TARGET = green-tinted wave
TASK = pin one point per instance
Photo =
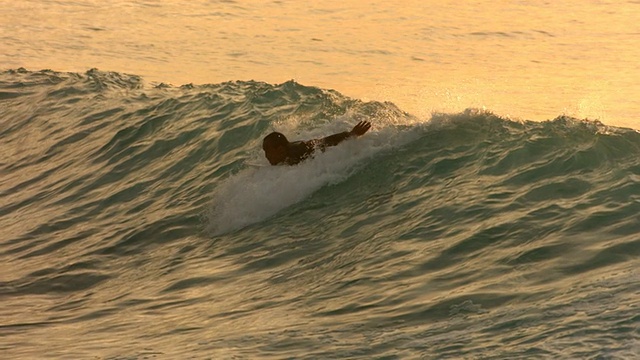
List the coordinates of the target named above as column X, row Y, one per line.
column 146, row 213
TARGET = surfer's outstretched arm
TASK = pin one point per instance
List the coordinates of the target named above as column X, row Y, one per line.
column 278, row 150
column 335, row 139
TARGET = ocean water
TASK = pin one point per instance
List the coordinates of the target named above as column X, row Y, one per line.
column 526, row 59
column 144, row 222
column 492, row 212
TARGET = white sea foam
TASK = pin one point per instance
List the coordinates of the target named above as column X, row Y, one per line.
column 261, row 191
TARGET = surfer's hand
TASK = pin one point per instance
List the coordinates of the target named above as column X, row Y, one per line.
column 361, row 128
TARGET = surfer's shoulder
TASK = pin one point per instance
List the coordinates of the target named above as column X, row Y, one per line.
column 298, row 151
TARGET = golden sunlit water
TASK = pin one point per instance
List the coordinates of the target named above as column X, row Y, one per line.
column 488, row 212
column 524, row 59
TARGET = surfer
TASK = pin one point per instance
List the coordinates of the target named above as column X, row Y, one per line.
column 278, row 150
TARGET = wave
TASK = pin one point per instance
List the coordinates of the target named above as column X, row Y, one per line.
column 122, row 198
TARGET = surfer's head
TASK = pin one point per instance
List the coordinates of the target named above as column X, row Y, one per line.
column 275, row 148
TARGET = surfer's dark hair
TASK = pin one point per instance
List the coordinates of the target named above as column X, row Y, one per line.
column 274, row 139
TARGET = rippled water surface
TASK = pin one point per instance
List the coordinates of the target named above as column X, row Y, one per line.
column 141, row 220
column 525, row 59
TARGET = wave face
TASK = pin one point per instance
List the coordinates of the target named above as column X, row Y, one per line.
column 143, row 221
